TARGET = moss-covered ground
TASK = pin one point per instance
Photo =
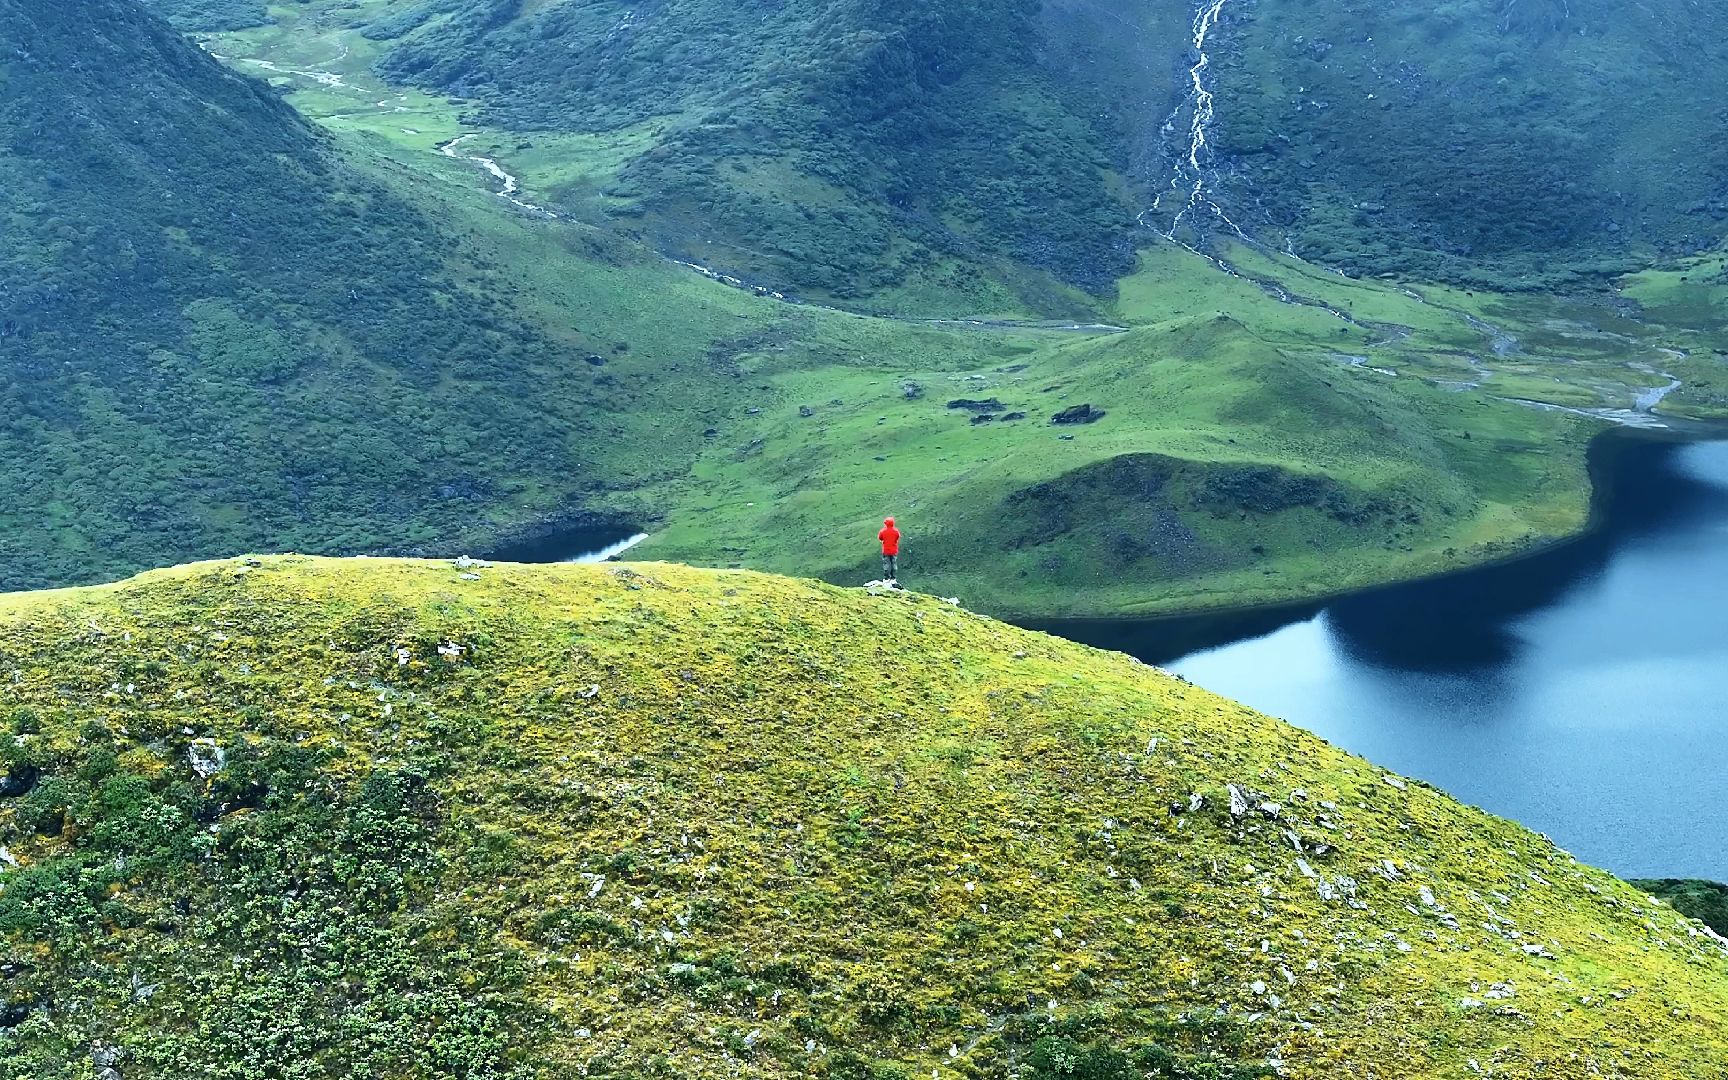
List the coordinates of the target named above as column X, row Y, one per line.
column 312, row 818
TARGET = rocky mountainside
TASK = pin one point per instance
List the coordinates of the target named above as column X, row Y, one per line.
column 320, row 818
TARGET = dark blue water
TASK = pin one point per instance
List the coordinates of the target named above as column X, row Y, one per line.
column 581, row 544
column 1583, row 692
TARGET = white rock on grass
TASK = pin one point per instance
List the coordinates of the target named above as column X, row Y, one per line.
column 206, row 758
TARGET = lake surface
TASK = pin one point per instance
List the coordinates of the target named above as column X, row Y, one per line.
column 1582, row 692
column 586, row 544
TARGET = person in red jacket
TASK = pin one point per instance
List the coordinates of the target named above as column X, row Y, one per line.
column 890, row 537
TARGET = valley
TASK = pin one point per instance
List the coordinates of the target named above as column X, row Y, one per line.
column 1364, row 360
column 1522, row 380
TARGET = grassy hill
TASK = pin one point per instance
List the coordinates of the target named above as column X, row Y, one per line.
column 314, row 818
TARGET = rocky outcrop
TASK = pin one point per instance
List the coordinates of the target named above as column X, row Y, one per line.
column 1078, row 414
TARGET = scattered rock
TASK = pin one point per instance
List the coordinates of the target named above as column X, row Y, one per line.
column 912, row 390
column 1393, row 781
column 982, row 418
column 206, row 758
column 1238, row 801
column 1006, row 417
column 1078, row 414
column 466, row 563
column 597, row 360
column 806, row 411
column 987, row 405
column 20, row 781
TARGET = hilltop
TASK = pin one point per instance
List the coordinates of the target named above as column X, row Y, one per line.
column 305, row 817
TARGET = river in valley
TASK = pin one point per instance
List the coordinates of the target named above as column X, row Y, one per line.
column 1582, row 691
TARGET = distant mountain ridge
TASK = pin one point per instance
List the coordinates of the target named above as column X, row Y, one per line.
column 212, row 14
column 845, row 148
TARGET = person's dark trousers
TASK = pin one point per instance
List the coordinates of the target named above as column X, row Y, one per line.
column 891, row 567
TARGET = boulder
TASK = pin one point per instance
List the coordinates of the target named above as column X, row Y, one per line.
column 1078, row 414
column 18, row 782
column 987, row 405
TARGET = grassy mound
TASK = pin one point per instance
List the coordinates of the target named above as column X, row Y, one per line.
column 311, row 818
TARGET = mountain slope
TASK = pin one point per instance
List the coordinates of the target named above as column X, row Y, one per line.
column 218, row 332
column 209, row 15
column 319, row 818
column 847, row 150
column 907, row 156
column 1489, row 141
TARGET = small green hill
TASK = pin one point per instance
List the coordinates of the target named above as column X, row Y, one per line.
column 316, row 819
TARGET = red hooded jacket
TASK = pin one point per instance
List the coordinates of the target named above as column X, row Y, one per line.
column 890, row 537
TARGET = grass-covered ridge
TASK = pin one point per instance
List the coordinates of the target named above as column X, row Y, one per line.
column 312, row 818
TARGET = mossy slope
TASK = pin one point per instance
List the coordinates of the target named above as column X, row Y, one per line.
column 655, row 821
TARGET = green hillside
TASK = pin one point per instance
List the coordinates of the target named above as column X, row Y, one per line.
column 870, row 150
column 220, row 333
column 210, row 15
column 967, row 157
column 321, row 818
column 1533, row 143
